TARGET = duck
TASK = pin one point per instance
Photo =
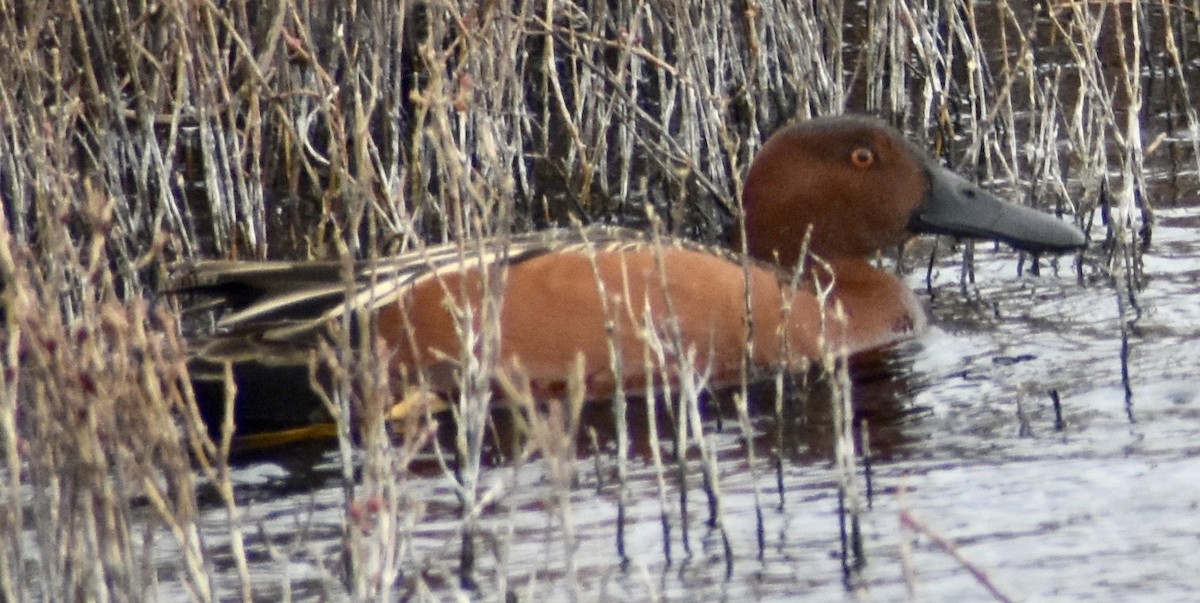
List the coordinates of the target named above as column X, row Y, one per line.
column 607, row 308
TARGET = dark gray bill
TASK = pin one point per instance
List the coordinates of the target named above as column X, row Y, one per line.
column 955, row 206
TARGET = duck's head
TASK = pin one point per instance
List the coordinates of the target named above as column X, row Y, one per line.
column 863, row 187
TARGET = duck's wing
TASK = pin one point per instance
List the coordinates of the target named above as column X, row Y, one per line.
column 277, row 304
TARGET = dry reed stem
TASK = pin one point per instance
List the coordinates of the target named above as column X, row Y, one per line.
column 910, row 522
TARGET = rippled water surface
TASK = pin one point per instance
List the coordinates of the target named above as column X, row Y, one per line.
column 964, row 440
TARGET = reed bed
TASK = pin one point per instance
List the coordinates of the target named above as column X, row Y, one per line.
column 137, row 134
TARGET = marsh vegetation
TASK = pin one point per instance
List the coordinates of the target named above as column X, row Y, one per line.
column 135, row 135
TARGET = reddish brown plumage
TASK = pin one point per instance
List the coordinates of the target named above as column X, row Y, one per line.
column 856, row 182
column 553, row 311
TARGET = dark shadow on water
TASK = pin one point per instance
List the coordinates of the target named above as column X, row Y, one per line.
column 881, row 394
column 802, row 433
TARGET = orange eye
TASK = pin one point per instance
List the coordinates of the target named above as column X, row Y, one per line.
column 862, row 157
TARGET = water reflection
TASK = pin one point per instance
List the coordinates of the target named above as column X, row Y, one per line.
column 801, row 432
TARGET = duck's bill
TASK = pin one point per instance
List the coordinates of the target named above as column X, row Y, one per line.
column 955, row 206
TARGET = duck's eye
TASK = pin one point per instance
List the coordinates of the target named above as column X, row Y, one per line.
column 862, row 157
